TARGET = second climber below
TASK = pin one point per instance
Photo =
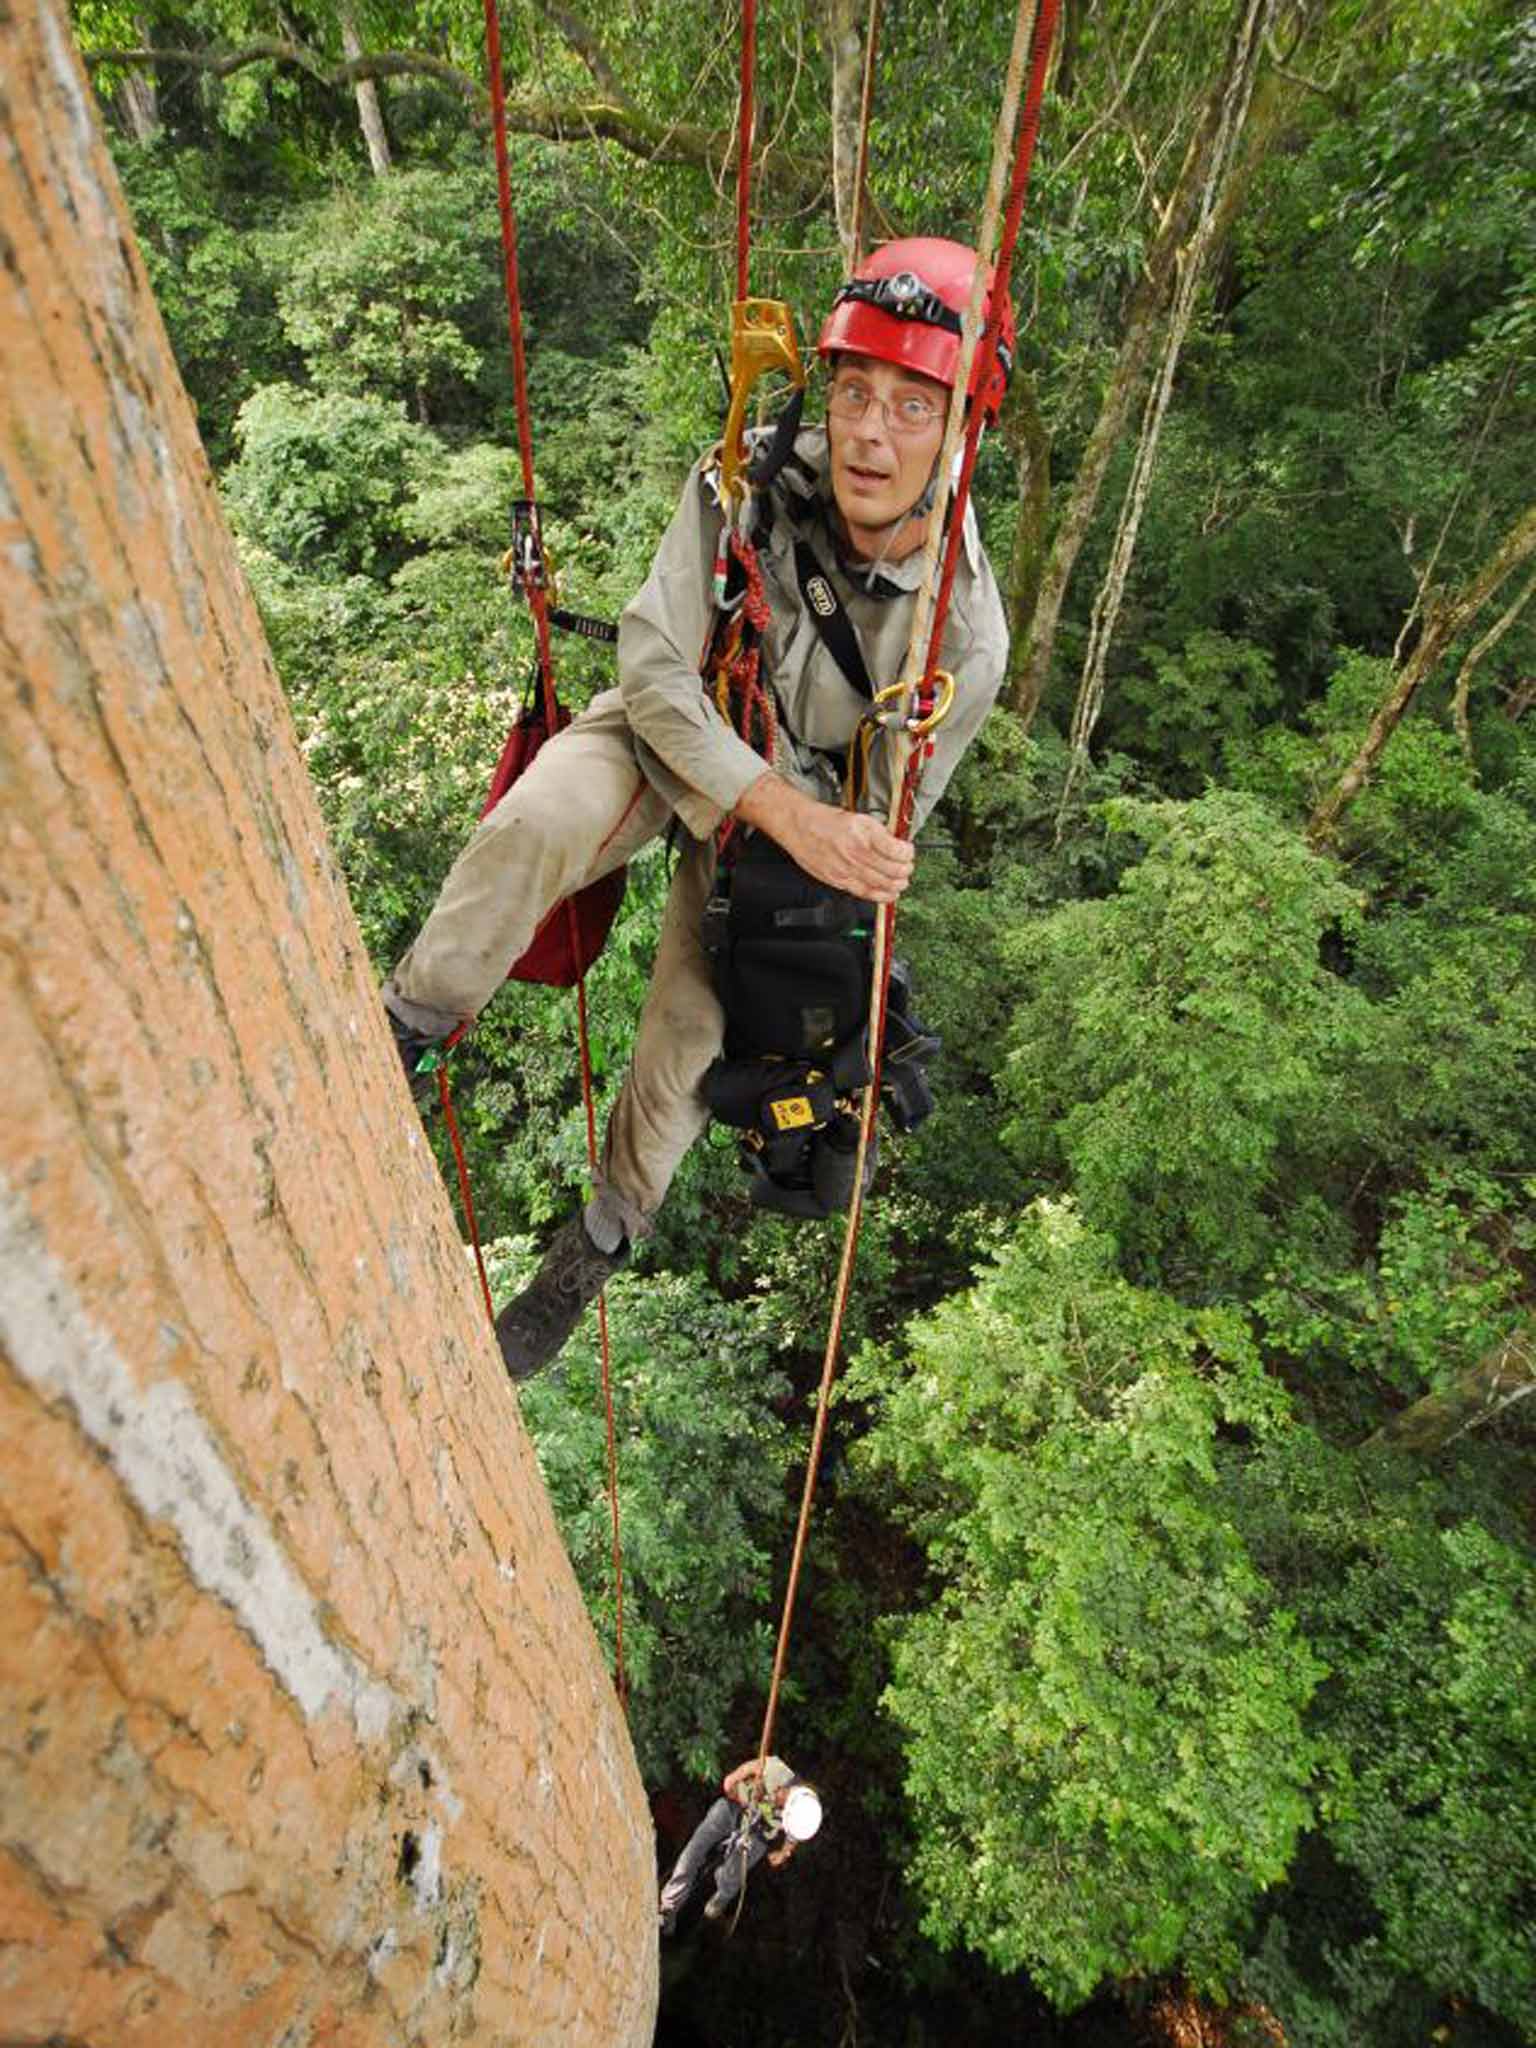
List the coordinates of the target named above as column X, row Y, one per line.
column 655, row 749
column 772, row 1814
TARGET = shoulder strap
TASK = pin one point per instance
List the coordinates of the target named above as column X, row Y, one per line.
column 819, row 595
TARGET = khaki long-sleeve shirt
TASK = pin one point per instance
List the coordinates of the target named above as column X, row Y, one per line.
column 690, row 754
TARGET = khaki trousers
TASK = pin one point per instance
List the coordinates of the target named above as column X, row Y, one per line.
column 582, row 809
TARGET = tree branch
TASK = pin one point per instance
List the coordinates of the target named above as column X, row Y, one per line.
column 795, row 180
column 1443, row 623
column 1461, row 695
column 1506, row 1375
column 273, row 50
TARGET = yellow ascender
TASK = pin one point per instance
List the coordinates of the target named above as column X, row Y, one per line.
column 762, row 340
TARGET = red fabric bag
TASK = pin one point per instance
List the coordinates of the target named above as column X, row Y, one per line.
column 574, row 932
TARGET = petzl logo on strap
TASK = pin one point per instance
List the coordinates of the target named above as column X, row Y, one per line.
column 823, row 599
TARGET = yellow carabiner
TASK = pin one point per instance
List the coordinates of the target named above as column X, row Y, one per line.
column 762, row 339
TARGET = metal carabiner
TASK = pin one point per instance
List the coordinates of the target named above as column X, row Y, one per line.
column 924, row 721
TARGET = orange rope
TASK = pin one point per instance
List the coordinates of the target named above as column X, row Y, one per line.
column 1024, row 146
column 445, row 1096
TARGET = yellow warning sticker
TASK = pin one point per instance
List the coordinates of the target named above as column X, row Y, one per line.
column 793, row 1113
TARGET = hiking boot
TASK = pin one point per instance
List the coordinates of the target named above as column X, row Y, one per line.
column 414, row 1048
column 535, row 1324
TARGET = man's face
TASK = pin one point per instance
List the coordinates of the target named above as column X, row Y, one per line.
column 881, row 459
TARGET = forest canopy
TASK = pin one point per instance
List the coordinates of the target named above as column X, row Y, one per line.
column 1170, row 1629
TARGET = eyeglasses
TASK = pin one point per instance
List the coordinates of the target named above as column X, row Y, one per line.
column 850, row 398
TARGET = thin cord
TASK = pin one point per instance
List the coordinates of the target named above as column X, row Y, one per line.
column 538, row 603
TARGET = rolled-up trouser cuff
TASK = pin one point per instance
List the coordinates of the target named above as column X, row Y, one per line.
column 420, row 1017
column 610, row 1217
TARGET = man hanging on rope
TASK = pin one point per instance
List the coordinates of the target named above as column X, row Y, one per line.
column 839, row 533
column 751, row 1819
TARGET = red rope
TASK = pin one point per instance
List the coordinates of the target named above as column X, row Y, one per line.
column 1024, row 149
column 742, row 659
column 538, row 604
column 744, row 120
column 445, row 1096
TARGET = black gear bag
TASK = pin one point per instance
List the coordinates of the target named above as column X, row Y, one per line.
column 792, row 962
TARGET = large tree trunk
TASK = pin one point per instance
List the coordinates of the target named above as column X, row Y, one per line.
column 304, row 1735
column 370, row 111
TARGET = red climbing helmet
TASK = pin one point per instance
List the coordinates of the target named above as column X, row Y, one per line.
column 903, row 305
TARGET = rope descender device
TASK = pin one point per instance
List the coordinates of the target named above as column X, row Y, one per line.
column 931, row 705
column 525, row 564
column 527, row 567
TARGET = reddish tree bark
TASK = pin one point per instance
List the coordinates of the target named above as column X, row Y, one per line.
column 304, row 1735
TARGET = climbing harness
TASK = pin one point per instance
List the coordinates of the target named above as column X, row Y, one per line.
column 791, row 962
column 791, row 959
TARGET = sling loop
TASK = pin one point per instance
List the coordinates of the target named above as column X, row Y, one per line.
column 1033, row 31
column 537, row 594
